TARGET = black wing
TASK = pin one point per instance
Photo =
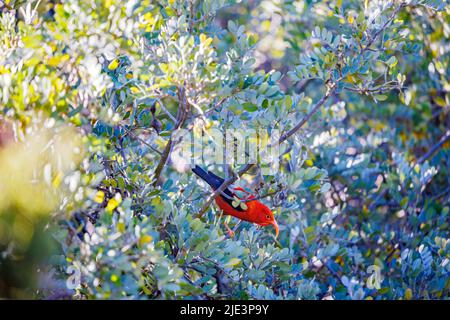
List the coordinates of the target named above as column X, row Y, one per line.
column 215, row 182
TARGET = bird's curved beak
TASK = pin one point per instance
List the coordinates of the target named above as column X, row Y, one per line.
column 275, row 225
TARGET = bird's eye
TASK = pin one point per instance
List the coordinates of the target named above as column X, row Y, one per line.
column 267, row 217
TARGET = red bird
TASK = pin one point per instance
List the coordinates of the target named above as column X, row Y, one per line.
column 255, row 211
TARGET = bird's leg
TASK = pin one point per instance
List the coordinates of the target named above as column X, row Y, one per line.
column 230, row 232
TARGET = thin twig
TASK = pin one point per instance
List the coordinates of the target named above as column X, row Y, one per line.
column 181, row 118
column 262, row 196
column 129, row 132
column 435, row 148
column 385, row 25
column 442, row 194
column 334, row 273
column 314, row 110
column 161, row 105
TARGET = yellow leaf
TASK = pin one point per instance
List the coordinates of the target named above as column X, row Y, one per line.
column 121, row 226
column 265, row 25
column 149, row 17
column 208, row 42
column 134, row 90
column 54, row 61
column 32, row 62
column 164, row 67
column 57, row 180
column 440, row 102
column 32, row 41
column 350, row 19
column 408, row 294
column 113, row 64
column 99, row 197
column 205, row 40
column 59, row 37
column 170, row 12
column 145, row 239
column 113, row 203
column 350, row 78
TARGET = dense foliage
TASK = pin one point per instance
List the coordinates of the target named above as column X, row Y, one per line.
column 93, row 204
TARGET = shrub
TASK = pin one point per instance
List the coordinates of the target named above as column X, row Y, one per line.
column 358, row 89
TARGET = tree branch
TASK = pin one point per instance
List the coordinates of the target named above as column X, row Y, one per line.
column 263, row 196
column 434, row 148
column 129, row 132
column 181, row 118
column 442, row 194
column 166, row 111
column 313, row 111
column 385, row 25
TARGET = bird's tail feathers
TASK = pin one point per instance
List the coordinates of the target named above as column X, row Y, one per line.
column 208, row 178
column 200, row 172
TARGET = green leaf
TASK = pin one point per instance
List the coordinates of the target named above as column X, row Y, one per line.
column 250, row 107
column 232, row 262
column 380, row 97
column 288, row 102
